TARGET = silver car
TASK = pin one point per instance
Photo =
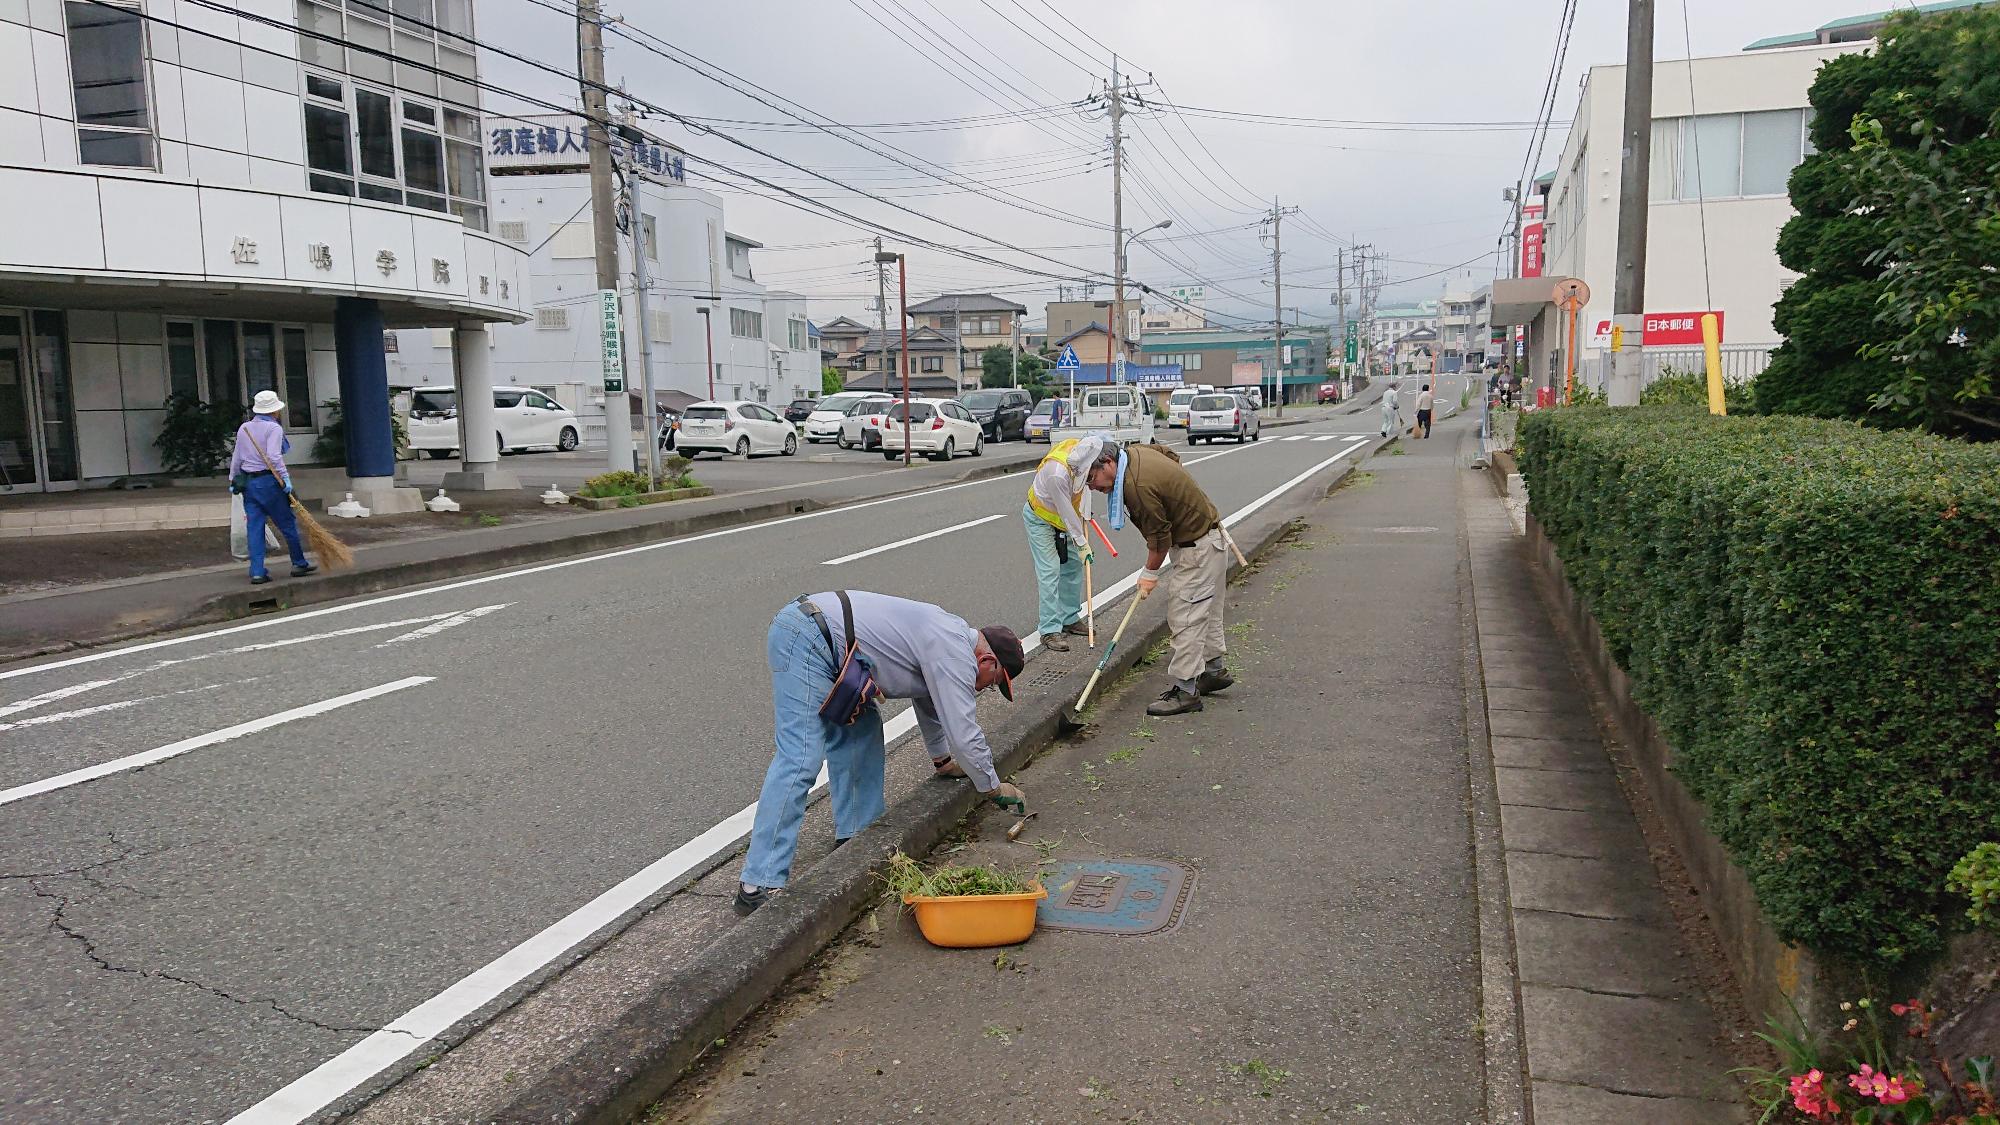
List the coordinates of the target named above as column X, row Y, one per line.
column 1218, row 415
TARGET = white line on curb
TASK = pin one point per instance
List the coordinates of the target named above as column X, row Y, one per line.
column 340, row 1075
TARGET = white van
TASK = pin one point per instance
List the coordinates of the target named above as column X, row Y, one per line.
column 1124, row 411
column 1177, row 402
column 523, row 419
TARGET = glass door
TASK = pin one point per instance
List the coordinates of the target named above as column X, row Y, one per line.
column 54, row 402
column 19, row 467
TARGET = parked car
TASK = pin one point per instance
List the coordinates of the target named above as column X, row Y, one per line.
column 1124, row 412
column 741, row 428
column 1177, row 403
column 1329, row 392
column 1001, row 413
column 1253, row 393
column 799, row 409
column 823, row 423
column 939, row 429
column 1043, row 420
column 1221, row 415
column 523, row 420
column 861, row 427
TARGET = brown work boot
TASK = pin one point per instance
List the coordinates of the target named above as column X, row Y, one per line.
column 1208, row 683
column 1077, row 629
column 1055, row 642
column 1174, row 701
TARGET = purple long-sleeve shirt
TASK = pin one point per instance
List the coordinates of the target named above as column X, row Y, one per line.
column 249, row 455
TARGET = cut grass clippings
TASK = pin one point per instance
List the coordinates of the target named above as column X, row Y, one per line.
column 905, row 876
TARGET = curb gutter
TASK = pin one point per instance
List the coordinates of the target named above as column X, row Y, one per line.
column 616, row 1071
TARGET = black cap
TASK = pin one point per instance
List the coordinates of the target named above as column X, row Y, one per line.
column 1007, row 650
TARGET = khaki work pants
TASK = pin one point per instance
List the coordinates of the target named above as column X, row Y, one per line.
column 1195, row 586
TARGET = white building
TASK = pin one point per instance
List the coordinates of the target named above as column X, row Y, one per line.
column 1725, row 140
column 696, row 270
column 1391, row 323
column 210, row 203
column 1463, row 328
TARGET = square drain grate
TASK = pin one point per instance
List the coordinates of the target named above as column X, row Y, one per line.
column 1047, row 679
column 1127, row 897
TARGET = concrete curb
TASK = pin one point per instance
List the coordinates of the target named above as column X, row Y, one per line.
column 616, row 1072
column 253, row 601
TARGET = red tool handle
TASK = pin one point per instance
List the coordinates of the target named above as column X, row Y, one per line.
column 1106, row 538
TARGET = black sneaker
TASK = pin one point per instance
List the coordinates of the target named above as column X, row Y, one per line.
column 1208, row 683
column 1055, row 642
column 302, row 571
column 1174, row 701
column 747, row 902
column 259, row 579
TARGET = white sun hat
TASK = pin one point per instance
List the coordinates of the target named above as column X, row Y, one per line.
column 266, row 402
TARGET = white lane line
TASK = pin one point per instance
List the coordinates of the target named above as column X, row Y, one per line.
column 910, row 540
column 176, row 749
column 502, row 576
column 262, row 646
column 436, row 627
column 334, row 1079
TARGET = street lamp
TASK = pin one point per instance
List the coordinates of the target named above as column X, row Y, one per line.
column 1118, row 304
column 903, row 358
column 708, row 332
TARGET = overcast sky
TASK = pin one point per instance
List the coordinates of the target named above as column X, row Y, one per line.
column 1426, row 195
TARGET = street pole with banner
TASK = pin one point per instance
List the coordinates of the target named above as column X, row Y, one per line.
column 611, row 353
column 637, row 224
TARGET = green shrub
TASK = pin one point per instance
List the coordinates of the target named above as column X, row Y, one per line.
column 1977, row 877
column 1690, row 388
column 196, row 438
column 1810, row 611
column 623, row 482
column 330, row 448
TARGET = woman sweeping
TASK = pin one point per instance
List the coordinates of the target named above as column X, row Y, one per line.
column 257, row 471
column 1057, row 538
column 1390, row 398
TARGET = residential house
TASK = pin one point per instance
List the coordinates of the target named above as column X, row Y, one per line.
column 975, row 321
column 874, row 364
column 840, row 338
column 1213, row 356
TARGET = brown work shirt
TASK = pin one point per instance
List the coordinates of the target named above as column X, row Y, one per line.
column 1164, row 502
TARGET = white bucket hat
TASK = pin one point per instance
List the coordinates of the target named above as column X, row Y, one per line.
column 266, row 402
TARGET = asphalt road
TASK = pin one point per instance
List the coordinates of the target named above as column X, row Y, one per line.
column 336, row 814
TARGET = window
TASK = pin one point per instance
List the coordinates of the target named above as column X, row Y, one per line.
column 298, row 381
column 552, row 319
column 649, row 230
column 107, row 63
column 746, row 324
column 228, row 361
column 1726, row 155
column 795, row 334
column 183, row 368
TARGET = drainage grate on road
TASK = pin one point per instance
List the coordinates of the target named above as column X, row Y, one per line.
column 1116, row 896
column 1047, row 679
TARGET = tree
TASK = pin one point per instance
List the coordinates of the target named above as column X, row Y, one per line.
column 1896, row 317
column 831, row 381
column 996, row 367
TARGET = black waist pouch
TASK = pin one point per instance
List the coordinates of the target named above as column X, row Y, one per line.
column 854, row 690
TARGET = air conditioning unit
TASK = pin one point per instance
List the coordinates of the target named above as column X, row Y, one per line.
column 514, row 230
column 554, row 319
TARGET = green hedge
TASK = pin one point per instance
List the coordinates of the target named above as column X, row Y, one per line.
column 1811, row 611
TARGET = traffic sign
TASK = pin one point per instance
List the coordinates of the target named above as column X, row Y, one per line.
column 1572, row 290
column 1067, row 360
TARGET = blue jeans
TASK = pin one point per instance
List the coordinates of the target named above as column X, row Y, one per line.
column 1058, row 585
column 802, row 672
column 264, row 499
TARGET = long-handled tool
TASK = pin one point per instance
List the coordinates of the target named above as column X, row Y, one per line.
column 1231, row 540
column 1104, row 537
column 1089, row 610
column 1073, row 718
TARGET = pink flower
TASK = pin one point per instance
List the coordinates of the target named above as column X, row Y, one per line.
column 1809, row 1095
column 1869, row 1081
column 1899, row 1090
column 1899, row 1009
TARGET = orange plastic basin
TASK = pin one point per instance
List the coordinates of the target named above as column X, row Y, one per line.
column 977, row 921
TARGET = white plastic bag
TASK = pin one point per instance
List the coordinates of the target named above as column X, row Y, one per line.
column 239, row 531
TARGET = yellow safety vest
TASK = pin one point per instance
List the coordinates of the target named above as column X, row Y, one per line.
column 1058, row 452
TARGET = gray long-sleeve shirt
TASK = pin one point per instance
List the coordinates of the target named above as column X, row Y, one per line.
column 923, row 654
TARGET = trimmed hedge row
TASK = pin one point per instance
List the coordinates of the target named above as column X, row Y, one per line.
column 1811, row 612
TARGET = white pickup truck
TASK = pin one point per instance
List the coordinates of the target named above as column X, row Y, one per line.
column 1122, row 411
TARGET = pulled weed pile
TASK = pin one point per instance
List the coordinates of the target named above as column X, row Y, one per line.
column 906, row 877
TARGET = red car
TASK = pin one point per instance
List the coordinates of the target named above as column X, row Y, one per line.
column 1329, row 392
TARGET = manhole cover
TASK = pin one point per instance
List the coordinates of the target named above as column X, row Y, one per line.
column 1116, row 896
column 1405, row 530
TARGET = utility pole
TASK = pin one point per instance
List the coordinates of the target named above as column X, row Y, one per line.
column 1628, row 300
column 958, row 345
column 1340, row 318
column 1014, row 353
column 1116, row 366
column 1278, row 300
column 882, row 313
column 603, row 207
column 640, row 283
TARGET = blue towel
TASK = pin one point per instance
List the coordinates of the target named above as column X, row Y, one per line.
column 1115, row 509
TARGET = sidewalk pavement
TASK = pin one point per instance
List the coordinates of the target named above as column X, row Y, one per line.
column 1335, row 960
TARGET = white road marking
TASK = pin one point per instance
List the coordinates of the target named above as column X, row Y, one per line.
column 176, row 749
column 1326, row 437
column 85, row 712
column 49, row 697
column 334, row 1079
column 910, row 540
column 1294, row 437
column 436, row 627
column 501, row 576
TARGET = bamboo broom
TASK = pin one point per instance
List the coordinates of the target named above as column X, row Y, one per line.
column 330, row 551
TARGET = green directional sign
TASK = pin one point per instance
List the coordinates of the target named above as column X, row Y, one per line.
column 1353, row 344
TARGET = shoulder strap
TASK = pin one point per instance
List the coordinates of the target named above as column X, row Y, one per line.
column 278, row 468
column 847, row 620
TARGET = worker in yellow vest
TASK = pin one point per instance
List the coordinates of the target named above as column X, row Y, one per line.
column 1057, row 537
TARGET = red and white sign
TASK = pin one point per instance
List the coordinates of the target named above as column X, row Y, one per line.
column 1531, row 250
column 1663, row 330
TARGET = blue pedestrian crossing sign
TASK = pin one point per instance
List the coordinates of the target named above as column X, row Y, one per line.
column 1067, row 360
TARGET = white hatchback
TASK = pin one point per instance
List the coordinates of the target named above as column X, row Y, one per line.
column 823, row 424
column 523, row 419
column 741, row 428
column 861, row 427
column 939, row 429
column 1219, row 415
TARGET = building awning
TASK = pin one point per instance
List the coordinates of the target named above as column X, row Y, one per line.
column 1520, row 300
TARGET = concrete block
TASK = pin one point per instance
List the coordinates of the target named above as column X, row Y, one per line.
column 16, row 520
column 1547, row 789
column 1621, row 886
column 1548, row 701
column 1633, row 1044
column 1559, row 1104
column 1550, row 754
column 13, row 532
column 1534, row 724
column 1600, row 955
